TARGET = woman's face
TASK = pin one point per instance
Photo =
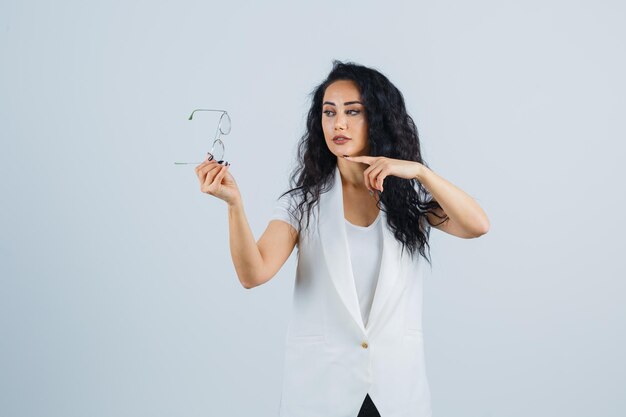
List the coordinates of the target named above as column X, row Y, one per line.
column 344, row 115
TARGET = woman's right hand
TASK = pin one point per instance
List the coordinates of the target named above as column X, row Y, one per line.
column 217, row 181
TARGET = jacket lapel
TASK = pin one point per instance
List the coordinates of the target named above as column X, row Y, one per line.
column 337, row 256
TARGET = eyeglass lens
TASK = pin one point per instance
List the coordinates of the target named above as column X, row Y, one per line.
column 217, row 150
column 224, row 125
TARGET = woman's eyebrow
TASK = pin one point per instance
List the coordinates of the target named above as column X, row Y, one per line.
column 345, row 104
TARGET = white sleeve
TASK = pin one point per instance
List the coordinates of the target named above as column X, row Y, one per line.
column 285, row 210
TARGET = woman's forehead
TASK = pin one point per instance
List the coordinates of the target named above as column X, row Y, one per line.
column 342, row 90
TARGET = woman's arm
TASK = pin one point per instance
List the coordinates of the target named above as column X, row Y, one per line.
column 257, row 263
column 243, row 248
column 466, row 218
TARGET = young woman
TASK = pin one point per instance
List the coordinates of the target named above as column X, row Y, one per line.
column 360, row 214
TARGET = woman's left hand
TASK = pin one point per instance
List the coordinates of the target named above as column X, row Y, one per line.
column 380, row 167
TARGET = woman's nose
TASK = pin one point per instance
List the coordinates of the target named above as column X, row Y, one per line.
column 340, row 122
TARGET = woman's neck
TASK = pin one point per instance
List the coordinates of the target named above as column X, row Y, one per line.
column 351, row 173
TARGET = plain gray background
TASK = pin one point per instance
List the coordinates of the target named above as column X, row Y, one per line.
column 118, row 294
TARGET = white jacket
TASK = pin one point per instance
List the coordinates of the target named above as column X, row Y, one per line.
column 331, row 359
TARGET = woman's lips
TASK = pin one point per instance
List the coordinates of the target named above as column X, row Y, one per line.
column 340, row 141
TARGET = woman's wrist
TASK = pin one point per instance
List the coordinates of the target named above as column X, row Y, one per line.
column 422, row 171
column 234, row 204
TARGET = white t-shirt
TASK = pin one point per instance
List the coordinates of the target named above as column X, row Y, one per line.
column 285, row 209
column 365, row 245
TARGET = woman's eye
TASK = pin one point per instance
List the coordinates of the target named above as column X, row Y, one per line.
column 353, row 112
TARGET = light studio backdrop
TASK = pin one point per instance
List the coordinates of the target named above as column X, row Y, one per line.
column 118, row 296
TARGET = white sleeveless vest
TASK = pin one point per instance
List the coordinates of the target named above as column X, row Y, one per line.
column 331, row 359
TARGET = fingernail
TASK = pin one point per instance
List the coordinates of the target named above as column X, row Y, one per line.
column 220, row 161
column 210, row 158
column 227, row 164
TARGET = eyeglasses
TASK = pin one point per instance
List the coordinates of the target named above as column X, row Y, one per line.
column 223, row 128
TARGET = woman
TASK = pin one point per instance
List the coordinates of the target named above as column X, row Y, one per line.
column 354, row 346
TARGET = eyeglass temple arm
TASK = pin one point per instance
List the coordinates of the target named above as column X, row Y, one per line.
column 191, row 115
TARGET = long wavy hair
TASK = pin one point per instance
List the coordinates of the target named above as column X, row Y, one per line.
column 391, row 133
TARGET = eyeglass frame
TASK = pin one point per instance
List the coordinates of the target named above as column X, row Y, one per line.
column 218, row 134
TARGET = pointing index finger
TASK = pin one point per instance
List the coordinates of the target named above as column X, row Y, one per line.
column 364, row 159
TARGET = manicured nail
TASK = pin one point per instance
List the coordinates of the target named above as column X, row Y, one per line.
column 210, row 158
column 220, row 161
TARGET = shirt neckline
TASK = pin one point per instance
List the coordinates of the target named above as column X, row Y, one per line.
column 365, row 227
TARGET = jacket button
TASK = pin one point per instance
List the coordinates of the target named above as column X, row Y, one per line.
column 364, row 345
